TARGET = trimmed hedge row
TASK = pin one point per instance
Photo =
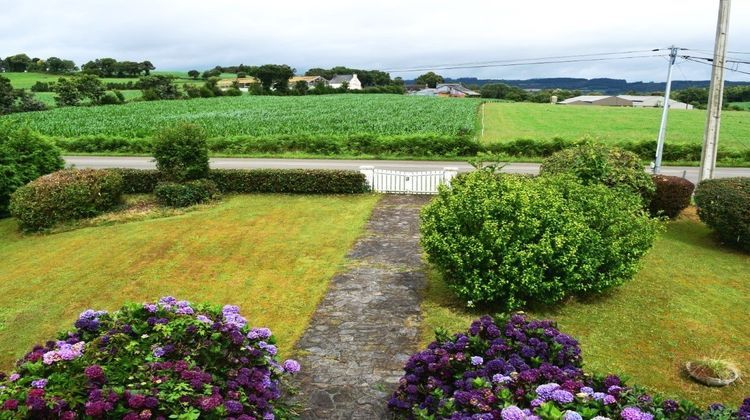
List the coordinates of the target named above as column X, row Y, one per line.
column 295, row 181
column 395, row 145
column 186, row 194
column 65, row 195
column 332, row 145
column 724, row 205
column 672, row 195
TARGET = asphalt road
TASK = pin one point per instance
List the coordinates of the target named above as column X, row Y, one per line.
column 100, row 162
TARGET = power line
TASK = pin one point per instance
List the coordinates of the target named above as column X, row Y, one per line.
column 709, row 62
column 522, row 63
column 535, row 59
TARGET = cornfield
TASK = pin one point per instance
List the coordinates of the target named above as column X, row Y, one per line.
column 266, row 116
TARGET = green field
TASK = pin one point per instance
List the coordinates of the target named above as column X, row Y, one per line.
column 690, row 299
column 509, row 121
column 272, row 255
column 26, row 80
column 315, row 116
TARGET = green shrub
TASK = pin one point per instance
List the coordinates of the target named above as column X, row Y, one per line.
column 724, row 205
column 139, row 181
column 594, row 163
column 672, row 195
column 297, row 181
column 65, row 195
column 24, row 156
column 509, row 240
column 186, row 194
column 181, row 152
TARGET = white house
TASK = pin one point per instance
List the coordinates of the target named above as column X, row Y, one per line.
column 350, row 79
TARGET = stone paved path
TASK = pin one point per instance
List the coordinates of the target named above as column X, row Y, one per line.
column 367, row 325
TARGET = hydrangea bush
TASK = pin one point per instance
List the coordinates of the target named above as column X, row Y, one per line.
column 169, row 359
column 525, row 370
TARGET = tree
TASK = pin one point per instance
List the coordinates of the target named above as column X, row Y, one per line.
column 67, row 93
column 7, row 96
column 57, row 65
column 159, row 86
column 18, row 63
column 503, row 91
column 300, row 86
column 147, row 67
column 430, row 79
column 90, row 86
column 194, row 74
column 274, row 76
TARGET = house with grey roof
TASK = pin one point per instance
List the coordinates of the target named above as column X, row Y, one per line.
column 351, row 81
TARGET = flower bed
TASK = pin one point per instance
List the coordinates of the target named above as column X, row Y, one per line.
column 157, row 360
column 525, row 370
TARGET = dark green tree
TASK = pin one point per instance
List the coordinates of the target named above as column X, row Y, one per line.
column 194, row 74
column 431, row 79
column 18, row 63
column 67, row 93
column 181, row 152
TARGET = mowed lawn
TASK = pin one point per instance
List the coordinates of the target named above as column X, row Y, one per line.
column 273, row 255
column 691, row 299
column 509, row 121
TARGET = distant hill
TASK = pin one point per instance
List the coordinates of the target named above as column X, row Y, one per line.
column 604, row 85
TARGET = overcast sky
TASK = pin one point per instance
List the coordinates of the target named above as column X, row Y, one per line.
column 381, row 34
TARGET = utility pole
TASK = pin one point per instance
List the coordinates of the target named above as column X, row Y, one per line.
column 715, row 94
column 664, row 112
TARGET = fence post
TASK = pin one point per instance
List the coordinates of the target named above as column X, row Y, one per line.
column 449, row 173
column 369, row 173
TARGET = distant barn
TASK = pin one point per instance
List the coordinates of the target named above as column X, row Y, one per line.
column 625, row 101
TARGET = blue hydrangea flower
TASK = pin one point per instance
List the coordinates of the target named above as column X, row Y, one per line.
column 562, row 396
column 572, row 415
column 545, row 391
column 476, row 360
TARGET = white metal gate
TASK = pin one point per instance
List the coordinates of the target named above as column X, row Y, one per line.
column 406, row 182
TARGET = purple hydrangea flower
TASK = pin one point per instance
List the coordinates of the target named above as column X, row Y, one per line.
column 545, row 391
column 501, row 379
column 291, row 366
column 476, row 360
column 587, row 390
column 609, row 399
column 204, row 319
column 39, row 383
column 512, row 413
column 14, row 377
column 634, row 413
column 159, row 352
column 150, row 307
column 562, row 396
column 572, row 415
column 259, row 333
column 167, row 301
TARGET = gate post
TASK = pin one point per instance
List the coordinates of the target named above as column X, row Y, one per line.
column 369, row 173
column 449, row 173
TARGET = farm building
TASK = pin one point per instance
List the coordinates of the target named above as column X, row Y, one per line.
column 625, row 101
column 351, row 80
column 455, row 90
column 310, row 80
column 242, row 83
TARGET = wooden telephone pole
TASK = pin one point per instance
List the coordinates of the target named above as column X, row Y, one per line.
column 715, row 94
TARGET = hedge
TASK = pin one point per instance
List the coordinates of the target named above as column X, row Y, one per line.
column 672, row 195
column 724, row 205
column 65, row 195
column 391, row 145
column 182, row 195
column 297, row 181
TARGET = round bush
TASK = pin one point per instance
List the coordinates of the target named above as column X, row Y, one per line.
column 65, row 195
column 24, row 157
column 595, row 163
column 509, row 240
column 724, row 205
column 181, row 152
column 169, row 359
column 525, row 370
column 186, row 194
column 672, row 195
